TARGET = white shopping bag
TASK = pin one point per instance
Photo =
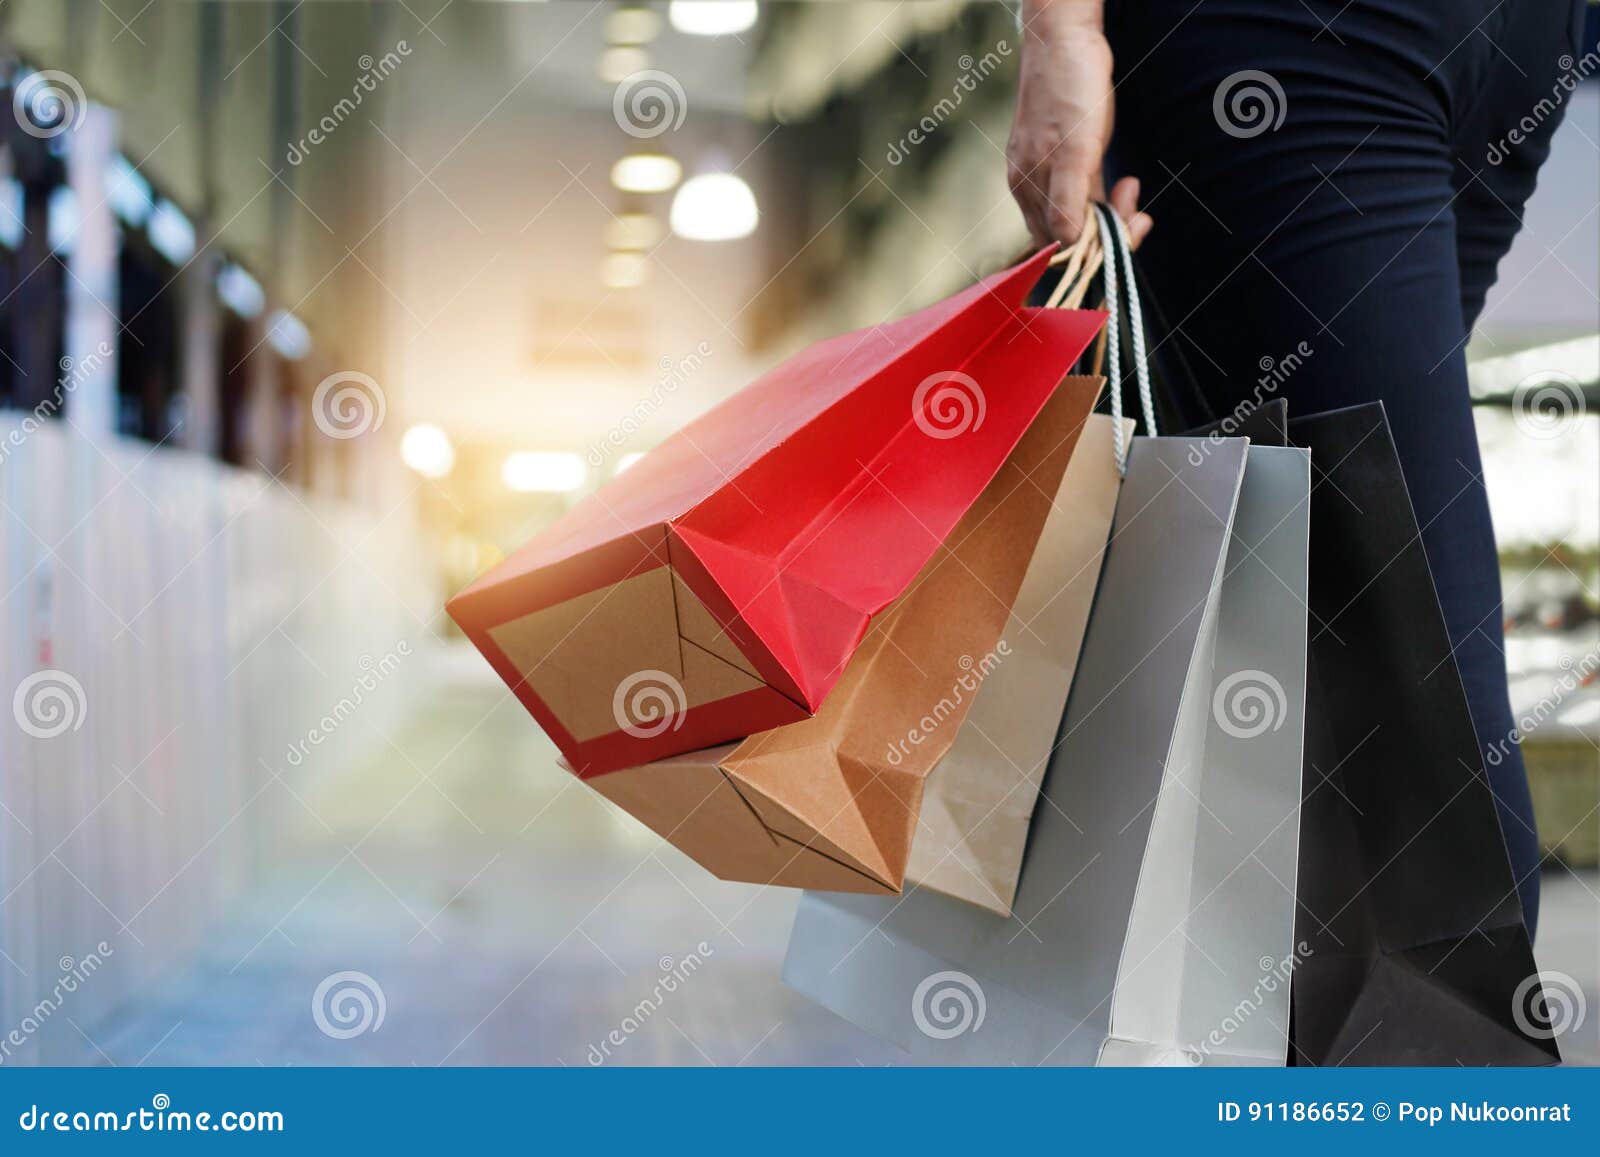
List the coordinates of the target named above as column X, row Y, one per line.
column 1154, row 922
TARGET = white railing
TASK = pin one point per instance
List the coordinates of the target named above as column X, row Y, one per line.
column 181, row 644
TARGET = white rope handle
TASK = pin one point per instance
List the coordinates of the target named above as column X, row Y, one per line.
column 1113, row 304
column 1114, row 241
column 1141, row 359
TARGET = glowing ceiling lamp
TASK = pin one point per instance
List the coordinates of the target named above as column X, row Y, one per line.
column 712, row 17
column 11, row 227
column 632, row 24
column 620, row 62
column 714, row 207
column 239, row 291
column 646, row 173
column 288, row 335
column 624, row 270
column 632, row 231
column 427, row 450
column 63, row 227
column 171, row 232
column 542, row 471
column 128, row 192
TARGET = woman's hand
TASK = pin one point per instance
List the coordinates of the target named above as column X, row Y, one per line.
column 1063, row 123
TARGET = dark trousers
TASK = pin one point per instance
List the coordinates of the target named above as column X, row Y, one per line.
column 1341, row 254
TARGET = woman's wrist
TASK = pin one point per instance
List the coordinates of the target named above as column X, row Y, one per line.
column 1050, row 18
column 1054, row 25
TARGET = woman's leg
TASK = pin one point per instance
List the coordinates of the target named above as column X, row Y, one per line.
column 1501, row 140
column 1503, row 137
column 1336, row 227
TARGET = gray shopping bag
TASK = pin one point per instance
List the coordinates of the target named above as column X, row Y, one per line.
column 1154, row 923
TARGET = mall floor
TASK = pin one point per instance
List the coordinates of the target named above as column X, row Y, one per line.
column 508, row 916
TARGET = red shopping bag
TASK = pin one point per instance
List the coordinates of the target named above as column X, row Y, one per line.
column 718, row 587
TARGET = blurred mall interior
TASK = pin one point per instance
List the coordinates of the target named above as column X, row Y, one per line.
column 311, row 311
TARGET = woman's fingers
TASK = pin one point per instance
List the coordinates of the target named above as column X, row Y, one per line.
column 1030, row 199
column 1125, row 202
column 1069, row 202
column 1139, row 228
column 1125, row 197
column 1055, row 194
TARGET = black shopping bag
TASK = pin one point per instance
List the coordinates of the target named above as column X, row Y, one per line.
column 1413, row 949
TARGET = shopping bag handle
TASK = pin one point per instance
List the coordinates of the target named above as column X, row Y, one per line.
column 1123, row 291
column 1082, row 261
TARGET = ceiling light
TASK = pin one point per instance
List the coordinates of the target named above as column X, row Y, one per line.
column 288, row 335
column 63, row 227
column 128, row 192
column 646, row 173
column 171, row 232
column 617, row 64
column 427, row 450
column 632, row 231
column 714, row 207
column 239, row 291
column 11, row 228
column 543, row 471
column 624, row 270
column 712, row 17
column 632, row 25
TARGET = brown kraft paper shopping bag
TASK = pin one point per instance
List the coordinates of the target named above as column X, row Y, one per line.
column 978, row 801
column 969, row 668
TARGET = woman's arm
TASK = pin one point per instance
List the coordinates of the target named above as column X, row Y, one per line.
column 1063, row 122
